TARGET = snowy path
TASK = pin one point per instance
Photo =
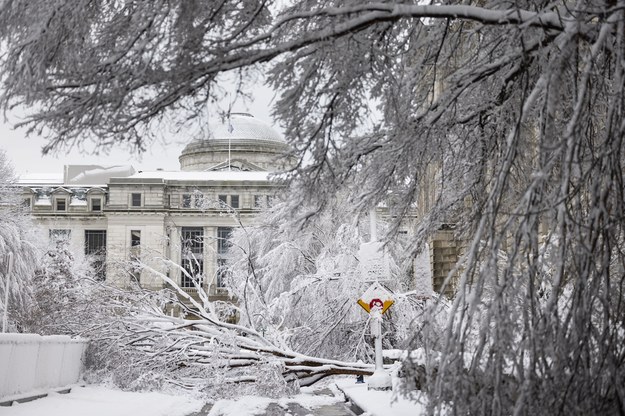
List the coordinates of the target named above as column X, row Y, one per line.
column 103, row 401
column 308, row 403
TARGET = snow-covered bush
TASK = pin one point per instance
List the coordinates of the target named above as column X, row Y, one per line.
column 60, row 286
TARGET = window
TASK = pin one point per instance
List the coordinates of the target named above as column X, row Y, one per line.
column 186, row 201
column 60, row 235
column 223, row 243
column 223, row 237
column 234, row 201
column 192, row 256
column 136, row 200
column 95, row 247
column 61, row 204
column 193, row 239
column 135, row 238
column 192, row 272
column 95, row 241
column 260, row 201
column 135, row 255
column 27, row 203
column 199, row 200
column 229, row 201
column 96, row 204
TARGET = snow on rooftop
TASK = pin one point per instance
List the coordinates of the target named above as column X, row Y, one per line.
column 78, row 202
column 203, row 176
column 73, row 175
column 43, row 200
column 41, row 179
column 96, row 175
column 245, row 126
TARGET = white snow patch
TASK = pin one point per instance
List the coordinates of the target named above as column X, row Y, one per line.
column 78, row 203
column 309, row 401
column 43, row 200
column 380, row 403
column 255, row 405
column 243, row 406
column 102, row 401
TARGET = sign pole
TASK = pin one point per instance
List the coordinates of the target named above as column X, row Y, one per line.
column 380, row 379
column 376, row 322
column 9, row 262
column 376, row 300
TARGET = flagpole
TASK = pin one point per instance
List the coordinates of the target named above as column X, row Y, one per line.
column 230, row 130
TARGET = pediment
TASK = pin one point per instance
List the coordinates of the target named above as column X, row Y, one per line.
column 61, row 190
column 236, row 165
column 95, row 191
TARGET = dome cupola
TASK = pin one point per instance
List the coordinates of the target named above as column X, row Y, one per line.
column 241, row 143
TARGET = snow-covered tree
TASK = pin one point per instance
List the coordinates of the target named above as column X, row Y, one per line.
column 50, row 292
column 508, row 115
column 23, row 241
column 198, row 347
column 299, row 283
column 66, row 297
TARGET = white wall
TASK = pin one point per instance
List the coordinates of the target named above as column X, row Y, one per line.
column 31, row 364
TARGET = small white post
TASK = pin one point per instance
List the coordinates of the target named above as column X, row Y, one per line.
column 376, row 321
column 5, row 317
column 381, row 379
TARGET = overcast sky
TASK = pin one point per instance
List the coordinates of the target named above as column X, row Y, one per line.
column 25, row 153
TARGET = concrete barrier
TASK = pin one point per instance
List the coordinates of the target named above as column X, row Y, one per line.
column 32, row 364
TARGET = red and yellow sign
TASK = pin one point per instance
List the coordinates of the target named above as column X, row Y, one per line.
column 376, row 296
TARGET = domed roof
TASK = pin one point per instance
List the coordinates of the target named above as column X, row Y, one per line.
column 245, row 126
column 242, row 138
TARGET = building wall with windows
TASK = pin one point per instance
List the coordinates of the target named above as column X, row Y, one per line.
column 141, row 226
column 150, row 226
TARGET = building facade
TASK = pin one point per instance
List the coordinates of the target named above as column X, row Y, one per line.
column 143, row 225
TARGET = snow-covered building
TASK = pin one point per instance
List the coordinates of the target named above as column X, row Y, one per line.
column 116, row 214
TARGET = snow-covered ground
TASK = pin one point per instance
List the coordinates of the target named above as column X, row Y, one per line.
column 379, row 403
column 103, row 401
column 254, row 405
